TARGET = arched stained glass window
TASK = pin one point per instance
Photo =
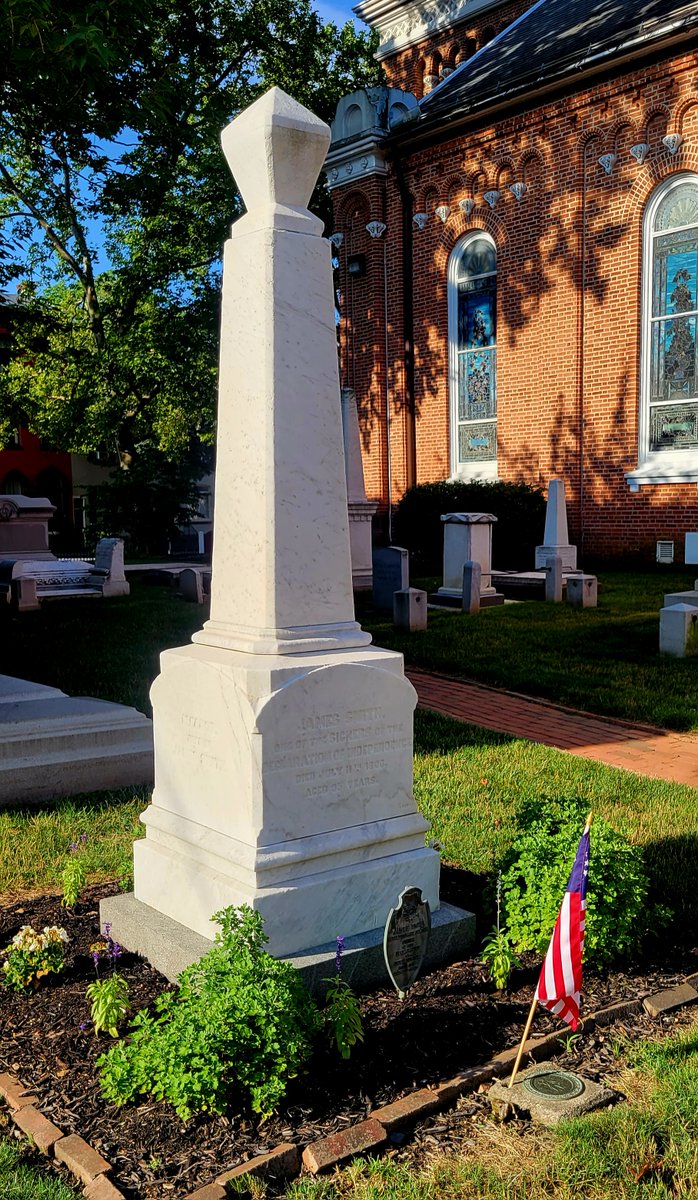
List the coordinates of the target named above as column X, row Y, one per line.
column 473, row 357
column 672, row 351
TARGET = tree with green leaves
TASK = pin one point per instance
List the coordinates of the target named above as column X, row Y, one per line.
column 115, row 200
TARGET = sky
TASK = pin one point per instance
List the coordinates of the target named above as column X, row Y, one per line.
column 338, row 11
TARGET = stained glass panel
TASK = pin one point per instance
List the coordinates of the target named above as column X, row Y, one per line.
column 477, row 314
column 674, row 427
column 475, row 318
column 675, row 283
column 679, row 208
column 476, row 385
column 673, row 359
column 477, row 443
column 478, row 258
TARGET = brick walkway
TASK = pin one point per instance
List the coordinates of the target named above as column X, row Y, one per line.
column 641, row 748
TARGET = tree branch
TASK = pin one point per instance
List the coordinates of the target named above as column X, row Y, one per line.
column 58, row 245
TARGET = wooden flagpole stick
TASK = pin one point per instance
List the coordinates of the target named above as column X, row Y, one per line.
column 532, row 1010
column 524, row 1039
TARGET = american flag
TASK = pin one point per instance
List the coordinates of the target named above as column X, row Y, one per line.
column 561, row 974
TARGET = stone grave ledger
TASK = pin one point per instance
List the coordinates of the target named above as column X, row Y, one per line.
column 286, row 785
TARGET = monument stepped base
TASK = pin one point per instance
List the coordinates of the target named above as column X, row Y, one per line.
column 170, row 947
column 57, row 745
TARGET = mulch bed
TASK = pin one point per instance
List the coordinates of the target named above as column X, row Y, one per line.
column 452, row 1019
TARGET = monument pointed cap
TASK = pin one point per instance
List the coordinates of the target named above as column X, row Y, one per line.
column 275, row 150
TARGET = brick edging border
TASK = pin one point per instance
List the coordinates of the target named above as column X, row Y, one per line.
column 287, row 1160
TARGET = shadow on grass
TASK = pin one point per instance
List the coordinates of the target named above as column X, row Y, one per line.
column 436, row 734
column 672, row 865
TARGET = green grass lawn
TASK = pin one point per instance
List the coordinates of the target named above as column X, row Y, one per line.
column 104, row 648
column 604, row 660
column 472, row 783
column 21, row 1180
column 469, row 782
column 645, row 1149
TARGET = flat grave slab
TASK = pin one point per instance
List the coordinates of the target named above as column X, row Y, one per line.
column 548, row 1095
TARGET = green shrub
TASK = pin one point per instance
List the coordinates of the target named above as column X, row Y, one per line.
column 519, row 509
column 537, row 870
column 239, row 1019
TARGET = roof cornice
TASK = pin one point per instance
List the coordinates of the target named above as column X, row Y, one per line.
column 402, row 23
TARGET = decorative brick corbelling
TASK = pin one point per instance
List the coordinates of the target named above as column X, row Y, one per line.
column 400, row 25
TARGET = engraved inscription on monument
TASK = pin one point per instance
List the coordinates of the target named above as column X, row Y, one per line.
column 405, row 939
column 334, row 747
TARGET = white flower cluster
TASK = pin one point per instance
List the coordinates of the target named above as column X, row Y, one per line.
column 29, row 941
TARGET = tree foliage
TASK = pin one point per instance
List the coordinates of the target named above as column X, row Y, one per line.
column 115, row 199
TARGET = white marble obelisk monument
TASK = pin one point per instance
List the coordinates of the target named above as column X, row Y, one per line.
column 556, row 542
column 283, row 740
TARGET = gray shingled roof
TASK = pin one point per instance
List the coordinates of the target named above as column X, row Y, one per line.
column 551, row 42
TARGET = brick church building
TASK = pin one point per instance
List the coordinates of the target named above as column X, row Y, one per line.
column 516, row 227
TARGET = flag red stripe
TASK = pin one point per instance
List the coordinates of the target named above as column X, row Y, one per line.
column 560, row 980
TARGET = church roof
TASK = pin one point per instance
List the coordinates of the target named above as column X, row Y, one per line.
column 551, row 43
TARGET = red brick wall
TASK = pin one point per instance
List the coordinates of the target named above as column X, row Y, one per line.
column 568, row 355
column 446, row 49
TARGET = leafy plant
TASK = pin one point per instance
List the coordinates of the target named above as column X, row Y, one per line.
column 342, row 1016
column 537, row 869
column 73, row 881
column 31, row 955
column 239, row 1019
column 342, row 1013
column 109, row 1000
column 497, row 952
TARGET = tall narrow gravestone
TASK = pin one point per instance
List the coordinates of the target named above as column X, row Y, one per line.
column 556, row 542
column 283, row 740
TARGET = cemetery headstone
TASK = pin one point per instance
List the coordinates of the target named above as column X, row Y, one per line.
column 472, row 587
column 391, row 574
column 678, row 630
column 406, row 938
column 109, row 567
column 191, row 585
column 690, row 597
column 467, row 538
column 556, row 542
column 24, row 527
column 283, row 739
column 410, row 610
column 553, row 579
column 582, row 590
column 361, row 509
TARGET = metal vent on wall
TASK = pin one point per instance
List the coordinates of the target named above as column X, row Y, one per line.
column 665, row 552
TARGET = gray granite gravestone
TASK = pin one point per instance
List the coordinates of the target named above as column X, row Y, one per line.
column 391, row 574
column 405, row 939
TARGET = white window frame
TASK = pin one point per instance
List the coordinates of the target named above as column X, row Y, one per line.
column 486, row 469
column 658, row 466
